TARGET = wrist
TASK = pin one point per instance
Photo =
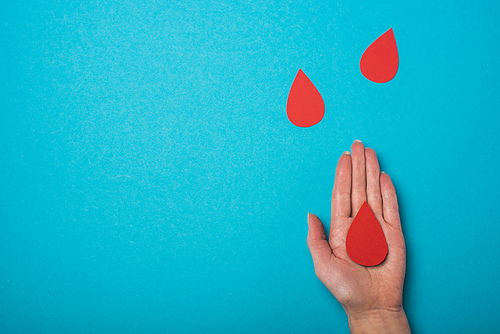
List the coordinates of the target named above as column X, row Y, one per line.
column 378, row 321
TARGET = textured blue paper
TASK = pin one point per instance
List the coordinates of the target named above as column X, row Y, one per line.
column 150, row 181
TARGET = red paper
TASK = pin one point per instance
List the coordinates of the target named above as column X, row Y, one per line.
column 305, row 106
column 365, row 243
column 380, row 60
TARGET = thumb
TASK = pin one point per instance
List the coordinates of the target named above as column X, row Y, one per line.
column 318, row 246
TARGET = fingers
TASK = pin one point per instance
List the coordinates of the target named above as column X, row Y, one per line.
column 318, row 246
column 373, row 193
column 358, row 176
column 390, row 201
column 341, row 204
column 341, row 196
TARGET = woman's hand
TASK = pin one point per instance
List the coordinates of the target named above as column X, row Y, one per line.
column 371, row 296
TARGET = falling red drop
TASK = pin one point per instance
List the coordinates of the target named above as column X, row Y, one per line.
column 366, row 243
column 305, row 106
column 380, row 60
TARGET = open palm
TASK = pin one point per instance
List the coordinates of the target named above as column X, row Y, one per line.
column 360, row 290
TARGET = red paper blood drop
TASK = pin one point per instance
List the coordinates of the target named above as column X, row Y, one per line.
column 380, row 60
column 305, row 106
column 365, row 243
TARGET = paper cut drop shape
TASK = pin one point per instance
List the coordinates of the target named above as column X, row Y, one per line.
column 380, row 61
column 366, row 243
column 305, row 106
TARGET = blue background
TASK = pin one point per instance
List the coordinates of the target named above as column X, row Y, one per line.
column 150, row 181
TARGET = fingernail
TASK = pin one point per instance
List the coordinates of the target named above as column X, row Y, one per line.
column 382, row 172
column 357, row 140
column 308, row 215
column 347, row 152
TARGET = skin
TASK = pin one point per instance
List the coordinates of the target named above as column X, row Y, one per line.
column 371, row 296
